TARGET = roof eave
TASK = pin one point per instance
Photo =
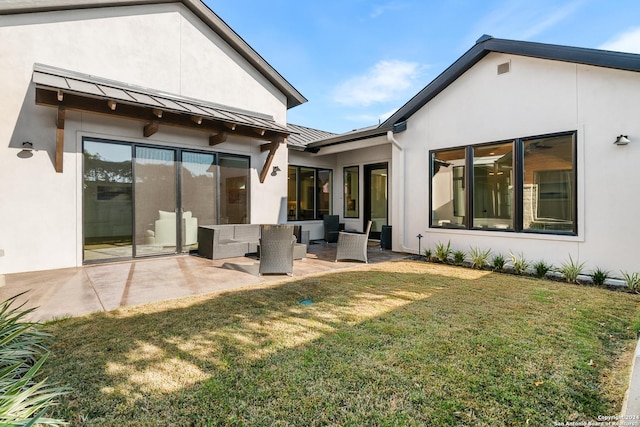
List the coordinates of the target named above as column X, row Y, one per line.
column 294, row 97
column 487, row 44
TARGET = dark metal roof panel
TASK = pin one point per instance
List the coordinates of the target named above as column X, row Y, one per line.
column 301, row 136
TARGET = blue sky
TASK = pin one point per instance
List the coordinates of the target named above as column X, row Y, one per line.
column 357, row 61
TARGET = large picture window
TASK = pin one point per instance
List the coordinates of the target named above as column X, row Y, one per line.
column 527, row 184
column 309, row 193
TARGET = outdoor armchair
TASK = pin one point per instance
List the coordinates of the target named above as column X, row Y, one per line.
column 331, row 228
column 276, row 249
column 353, row 246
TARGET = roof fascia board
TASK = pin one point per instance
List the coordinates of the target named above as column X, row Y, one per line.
column 594, row 57
column 294, row 98
column 349, row 137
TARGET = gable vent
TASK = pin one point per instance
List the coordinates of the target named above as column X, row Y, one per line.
column 504, row 68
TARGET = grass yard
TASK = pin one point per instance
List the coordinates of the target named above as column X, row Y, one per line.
column 400, row 343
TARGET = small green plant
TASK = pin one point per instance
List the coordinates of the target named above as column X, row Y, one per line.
column 599, row 276
column 571, row 270
column 443, row 252
column 458, row 257
column 428, row 253
column 25, row 400
column 479, row 258
column 542, row 268
column 520, row 263
column 632, row 279
column 498, row 262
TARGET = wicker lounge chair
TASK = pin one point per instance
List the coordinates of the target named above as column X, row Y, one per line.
column 353, row 246
column 331, row 228
column 276, row 249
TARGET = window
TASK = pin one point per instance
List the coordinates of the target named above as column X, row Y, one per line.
column 528, row 184
column 309, row 193
column 549, row 184
column 448, row 197
column 351, row 192
column 493, row 186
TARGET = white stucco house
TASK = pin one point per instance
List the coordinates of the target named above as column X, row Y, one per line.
column 119, row 115
column 126, row 124
column 517, row 147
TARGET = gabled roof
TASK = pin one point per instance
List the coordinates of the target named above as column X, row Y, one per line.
column 294, row 98
column 487, row 44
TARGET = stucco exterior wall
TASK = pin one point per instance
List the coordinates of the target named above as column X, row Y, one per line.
column 536, row 97
column 163, row 47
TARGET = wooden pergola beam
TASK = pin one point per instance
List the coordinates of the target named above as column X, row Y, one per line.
column 60, row 138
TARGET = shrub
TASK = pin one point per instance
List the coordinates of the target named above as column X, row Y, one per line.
column 632, row 279
column 458, row 257
column 520, row 264
column 428, row 253
column 498, row 262
column 571, row 270
column 599, row 276
column 443, row 252
column 479, row 258
column 542, row 268
column 25, row 400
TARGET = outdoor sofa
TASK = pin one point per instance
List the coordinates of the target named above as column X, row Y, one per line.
column 234, row 240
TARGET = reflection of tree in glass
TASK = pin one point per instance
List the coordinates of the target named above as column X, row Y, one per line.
column 100, row 170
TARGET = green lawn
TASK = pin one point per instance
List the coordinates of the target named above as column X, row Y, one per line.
column 402, row 343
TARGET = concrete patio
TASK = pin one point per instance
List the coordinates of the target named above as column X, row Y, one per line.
column 105, row 287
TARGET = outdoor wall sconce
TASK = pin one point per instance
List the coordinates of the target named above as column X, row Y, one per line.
column 275, row 171
column 27, row 150
column 622, row 140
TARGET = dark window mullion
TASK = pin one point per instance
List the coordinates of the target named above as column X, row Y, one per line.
column 469, row 184
column 518, row 185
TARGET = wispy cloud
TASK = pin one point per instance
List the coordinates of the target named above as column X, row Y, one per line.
column 381, row 9
column 526, row 19
column 628, row 41
column 552, row 17
column 385, row 81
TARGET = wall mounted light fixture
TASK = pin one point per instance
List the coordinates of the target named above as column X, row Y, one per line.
column 622, row 140
column 27, row 150
column 275, row 171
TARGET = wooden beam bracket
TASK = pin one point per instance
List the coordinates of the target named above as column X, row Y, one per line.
column 60, row 138
column 151, row 128
column 218, row 138
column 267, row 163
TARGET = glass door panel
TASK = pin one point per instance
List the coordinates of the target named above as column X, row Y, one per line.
column 234, row 189
column 198, row 190
column 156, row 224
column 107, row 197
column 376, row 208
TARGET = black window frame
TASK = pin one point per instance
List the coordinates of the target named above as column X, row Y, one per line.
column 518, row 184
column 316, row 196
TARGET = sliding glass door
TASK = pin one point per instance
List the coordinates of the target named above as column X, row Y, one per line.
column 156, row 203
column 108, row 197
column 142, row 200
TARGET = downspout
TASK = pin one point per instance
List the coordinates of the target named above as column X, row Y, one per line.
column 401, row 206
